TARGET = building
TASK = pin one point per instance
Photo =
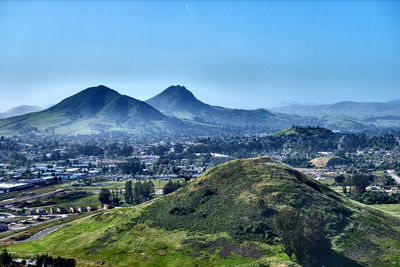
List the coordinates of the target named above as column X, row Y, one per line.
column 7, row 187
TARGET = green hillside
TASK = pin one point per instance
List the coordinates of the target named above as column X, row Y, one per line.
column 224, row 218
column 92, row 111
column 180, row 102
column 350, row 115
column 358, row 110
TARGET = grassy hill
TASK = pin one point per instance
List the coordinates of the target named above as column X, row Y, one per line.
column 20, row 110
column 358, row 110
column 180, row 102
column 350, row 115
column 223, row 218
column 92, row 111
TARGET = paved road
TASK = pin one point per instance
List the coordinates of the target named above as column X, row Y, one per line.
column 43, row 232
column 17, row 200
column 38, row 235
column 393, row 174
column 33, row 237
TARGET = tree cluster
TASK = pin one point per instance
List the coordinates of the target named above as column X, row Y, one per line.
column 377, row 197
column 44, row 260
column 303, row 236
column 171, row 186
column 109, row 198
column 132, row 166
column 356, row 183
column 138, row 192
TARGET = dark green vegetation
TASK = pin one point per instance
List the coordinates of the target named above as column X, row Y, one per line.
column 138, row 192
column 171, row 187
column 224, row 218
column 301, row 144
column 303, row 236
column 350, row 115
column 6, row 259
column 377, row 197
column 177, row 112
column 101, row 110
column 92, row 111
column 181, row 103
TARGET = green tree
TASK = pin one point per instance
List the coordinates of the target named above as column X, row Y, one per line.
column 171, row 187
column 341, row 180
column 303, row 236
column 142, row 191
column 361, row 181
column 128, row 192
column 5, row 258
column 48, row 261
column 115, row 200
column 105, row 196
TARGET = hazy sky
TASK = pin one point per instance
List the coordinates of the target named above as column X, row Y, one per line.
column 234, row 54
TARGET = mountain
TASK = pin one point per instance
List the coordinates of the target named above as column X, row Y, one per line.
column 177, row 99
column 358, row 110
column 348, row 114
column 224, row 218
column 20, row 110
column 181, row 103
column 92, row 111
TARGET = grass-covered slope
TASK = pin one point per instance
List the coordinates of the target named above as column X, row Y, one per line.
column 224, row 218
column 181, row 103
column 92, row 111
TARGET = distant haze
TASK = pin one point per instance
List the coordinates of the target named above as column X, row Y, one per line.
column 234, row 54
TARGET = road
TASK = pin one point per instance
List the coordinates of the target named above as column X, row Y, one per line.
column 44, row 232
column 393, row 174
column 38, row 235
column 17, row 200
column 33, row 237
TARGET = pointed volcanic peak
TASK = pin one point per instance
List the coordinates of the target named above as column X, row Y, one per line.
column 177, row 98
column 106, row 102
column 180, row 102
column 87, row 102
column 94, row 110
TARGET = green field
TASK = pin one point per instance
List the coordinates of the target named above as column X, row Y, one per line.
column 393, row 209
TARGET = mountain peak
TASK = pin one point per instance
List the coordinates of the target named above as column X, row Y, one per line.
column 176, row 97
column 88, row 101
column 99, row 89
column 179, row 91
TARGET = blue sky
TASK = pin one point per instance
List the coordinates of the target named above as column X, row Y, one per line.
column 235, row 54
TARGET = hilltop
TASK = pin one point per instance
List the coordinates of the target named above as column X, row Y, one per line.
column 349, row 114
column 223, row 218
column 177, row 111
column 20, row 110
column 358, row 110
column 176, row 99
column 180, row 102
column 92, row 111
column 99, row 110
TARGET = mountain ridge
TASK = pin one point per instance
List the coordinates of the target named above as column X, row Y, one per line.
column 20, row 110
column 347, row 108
column 91, row 111
column 180, row 102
